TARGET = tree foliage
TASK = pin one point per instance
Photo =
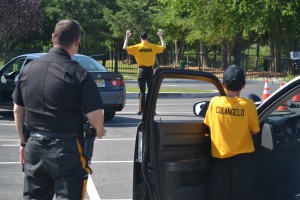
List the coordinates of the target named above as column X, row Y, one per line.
column 89, row 13
column 19, row 19
column 227, row 27
column 135, row 16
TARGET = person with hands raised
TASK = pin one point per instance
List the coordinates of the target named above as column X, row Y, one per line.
column 145, row 56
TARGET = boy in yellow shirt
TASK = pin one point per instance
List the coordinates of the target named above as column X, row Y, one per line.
column 232, row 121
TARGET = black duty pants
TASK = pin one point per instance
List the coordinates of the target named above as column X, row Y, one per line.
column 234, row 178
column 54, row 166
column 145, row 76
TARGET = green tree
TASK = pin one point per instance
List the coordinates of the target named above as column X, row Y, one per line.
column 18, row 21
column 89, row 13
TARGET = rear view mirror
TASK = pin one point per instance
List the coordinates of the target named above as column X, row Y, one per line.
column 200, row 108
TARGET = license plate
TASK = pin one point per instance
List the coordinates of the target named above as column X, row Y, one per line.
column 100, row 83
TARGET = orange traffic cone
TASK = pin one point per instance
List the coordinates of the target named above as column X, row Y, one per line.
column 266, row 92
column 284, row 106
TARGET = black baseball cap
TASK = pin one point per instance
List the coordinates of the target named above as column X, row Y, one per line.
column 234, row 75
column 144, row 35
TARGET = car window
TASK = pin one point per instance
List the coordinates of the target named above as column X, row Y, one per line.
column 278, row 144
column 28, row 61
column 177, row 97
column 13, row 66
column 285, row 122
column 89, row 63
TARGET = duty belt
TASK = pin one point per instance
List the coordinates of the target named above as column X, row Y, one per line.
column 52, row 134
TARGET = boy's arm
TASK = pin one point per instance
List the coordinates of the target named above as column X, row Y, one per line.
column 128, row 34
column 204, row 129
column 160, row 35
column 255, row 129
column 254, row 133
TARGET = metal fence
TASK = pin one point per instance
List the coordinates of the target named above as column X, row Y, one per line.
column 254, row 66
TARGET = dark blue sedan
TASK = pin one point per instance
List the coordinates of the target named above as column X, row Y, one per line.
column 110, row 85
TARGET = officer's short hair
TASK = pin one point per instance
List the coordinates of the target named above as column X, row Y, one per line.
column 144, row 35
column 66, row 32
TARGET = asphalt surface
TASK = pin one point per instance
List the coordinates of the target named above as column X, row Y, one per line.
column 113, row 155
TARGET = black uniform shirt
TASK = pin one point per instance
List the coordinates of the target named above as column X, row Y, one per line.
column 55, row 92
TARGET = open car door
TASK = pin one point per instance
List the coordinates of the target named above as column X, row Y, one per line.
column 172, row 154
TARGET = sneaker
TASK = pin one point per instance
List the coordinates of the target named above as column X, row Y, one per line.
column 139, row 112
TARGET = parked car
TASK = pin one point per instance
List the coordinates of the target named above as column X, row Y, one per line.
column 172, row 158
column 111, row 85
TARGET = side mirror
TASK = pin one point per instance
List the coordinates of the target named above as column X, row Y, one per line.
column 200, row 108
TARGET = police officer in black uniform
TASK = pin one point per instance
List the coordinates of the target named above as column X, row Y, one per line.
column 50, row 98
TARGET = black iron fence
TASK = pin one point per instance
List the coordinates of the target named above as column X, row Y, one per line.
column 254, row 66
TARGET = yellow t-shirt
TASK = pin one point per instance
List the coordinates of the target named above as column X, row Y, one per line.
column 144, row 53
column 231, row 121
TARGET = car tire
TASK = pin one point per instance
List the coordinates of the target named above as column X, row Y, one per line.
column 108, row 115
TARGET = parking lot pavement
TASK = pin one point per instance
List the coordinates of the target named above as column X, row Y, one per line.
column 112, row 161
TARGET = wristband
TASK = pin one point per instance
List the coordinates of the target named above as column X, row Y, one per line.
column 23, row 144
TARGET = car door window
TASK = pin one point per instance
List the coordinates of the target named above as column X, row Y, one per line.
column 177, row 97
column 11, row 70
column 28, row 61
column 15, row 65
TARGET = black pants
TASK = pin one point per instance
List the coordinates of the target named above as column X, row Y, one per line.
column 145, row 76
column 234, row 178
column 54, row 166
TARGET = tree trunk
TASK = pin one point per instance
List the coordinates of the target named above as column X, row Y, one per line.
column 278, row 46
column 204, row 55
column 257, row 55
column 289, row 37
column 237, row 51
column 178, row 52
column 272, row 50
column 224, row 52
column 116, row 54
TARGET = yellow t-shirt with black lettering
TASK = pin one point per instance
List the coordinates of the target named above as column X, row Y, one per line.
column 145, row 52
column 231, row 121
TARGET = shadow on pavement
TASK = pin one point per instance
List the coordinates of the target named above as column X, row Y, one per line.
column 6, row 115
column 120, row 121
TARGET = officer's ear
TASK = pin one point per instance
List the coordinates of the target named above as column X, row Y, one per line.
column 77, row 42
column 52, row 38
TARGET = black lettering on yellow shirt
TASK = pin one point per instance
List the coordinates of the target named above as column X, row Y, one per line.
column 145, row 50
column 230, row 111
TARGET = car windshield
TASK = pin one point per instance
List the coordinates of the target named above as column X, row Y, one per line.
column 292, row 106
column 89, row 63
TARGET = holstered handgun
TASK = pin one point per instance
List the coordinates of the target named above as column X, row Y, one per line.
column 89, row 138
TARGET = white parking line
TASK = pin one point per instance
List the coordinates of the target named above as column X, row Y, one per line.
column 91, row 189
column 10, row 140
column 6, row 124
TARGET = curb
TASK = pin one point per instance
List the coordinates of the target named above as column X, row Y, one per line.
column 135, row 95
